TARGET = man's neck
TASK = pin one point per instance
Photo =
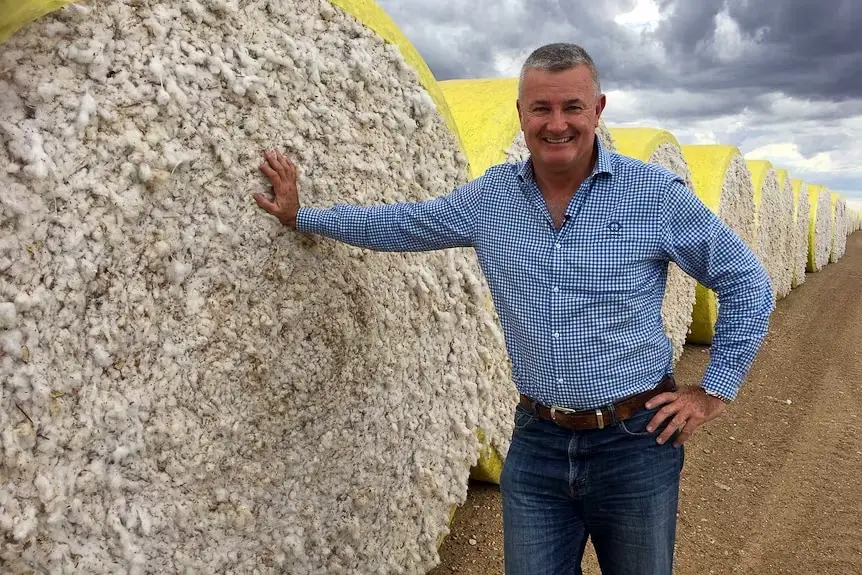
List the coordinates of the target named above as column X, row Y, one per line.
column 564, row 182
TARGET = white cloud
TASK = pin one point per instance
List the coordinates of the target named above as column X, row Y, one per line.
column 728, row 43
column 791, row 133
column 787, row 154
column 644, row 16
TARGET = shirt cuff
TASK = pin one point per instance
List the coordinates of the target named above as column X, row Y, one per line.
column 721, row 382
column 310, row 221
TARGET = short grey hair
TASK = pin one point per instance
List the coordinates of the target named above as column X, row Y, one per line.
column 558, row 57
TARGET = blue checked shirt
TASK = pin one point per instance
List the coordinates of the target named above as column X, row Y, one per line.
column 580, row 307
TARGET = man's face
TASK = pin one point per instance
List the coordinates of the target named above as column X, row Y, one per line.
column 559, row 114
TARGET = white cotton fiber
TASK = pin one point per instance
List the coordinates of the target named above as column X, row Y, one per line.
column 774, row 221
column 205, row 392
column 679, row 294
column 800, row 230
column 819, row 227
column 840, row 224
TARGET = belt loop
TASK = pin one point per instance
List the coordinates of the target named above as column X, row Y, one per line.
column 613, row 413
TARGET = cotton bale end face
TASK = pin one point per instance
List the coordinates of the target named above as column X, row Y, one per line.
column 819, row 228
column 773, row 217
column 660, row 147
column 786, row 232
column 801, row 215
column 221, row 391
column 839, row 227
column 486, row 114
column 723, row 183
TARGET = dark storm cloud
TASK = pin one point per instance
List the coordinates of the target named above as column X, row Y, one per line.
column 804, row 48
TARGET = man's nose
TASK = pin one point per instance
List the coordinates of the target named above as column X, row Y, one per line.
column 557, row 122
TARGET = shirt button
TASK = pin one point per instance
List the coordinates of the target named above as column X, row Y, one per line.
column 556, row 335
column 558, row 246
column 560, row 381
column 556, row 289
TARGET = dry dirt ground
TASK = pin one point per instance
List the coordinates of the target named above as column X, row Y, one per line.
column 775, row 484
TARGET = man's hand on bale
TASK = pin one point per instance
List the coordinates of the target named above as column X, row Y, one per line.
column 282, row 175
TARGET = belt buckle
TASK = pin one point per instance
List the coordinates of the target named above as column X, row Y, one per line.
column 564, row 410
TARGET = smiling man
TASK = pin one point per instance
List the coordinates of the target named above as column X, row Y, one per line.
column 575, row 243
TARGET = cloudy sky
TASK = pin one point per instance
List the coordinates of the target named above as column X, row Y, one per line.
column 780, row 79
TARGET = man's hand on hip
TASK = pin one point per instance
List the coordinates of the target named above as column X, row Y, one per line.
column 282, row 175
column 688, row 408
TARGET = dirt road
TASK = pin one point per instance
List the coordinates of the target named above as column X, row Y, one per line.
column 775, row 485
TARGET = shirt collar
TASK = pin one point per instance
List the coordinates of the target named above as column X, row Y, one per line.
column 604, row 164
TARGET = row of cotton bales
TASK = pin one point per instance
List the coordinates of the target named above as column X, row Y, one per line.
column 185, row 386
column 766, row 207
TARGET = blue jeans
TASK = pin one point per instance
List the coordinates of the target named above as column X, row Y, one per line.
column 615, row 485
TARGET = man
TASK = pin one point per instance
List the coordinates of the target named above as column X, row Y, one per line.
column 575, row 244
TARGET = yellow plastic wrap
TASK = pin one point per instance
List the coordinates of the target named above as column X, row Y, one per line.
column 15, row 14
column 640, row 143
column 708, row 166
column 487, row 118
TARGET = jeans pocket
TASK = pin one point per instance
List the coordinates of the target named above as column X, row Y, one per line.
column 523, row 418
column 635, row 426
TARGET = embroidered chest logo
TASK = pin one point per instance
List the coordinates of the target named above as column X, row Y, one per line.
column 614, row 226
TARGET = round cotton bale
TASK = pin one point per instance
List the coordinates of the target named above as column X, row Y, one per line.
column 661, row 148
column 819, row 228
column 839, row 227
column 723, row 182
column 773, row 216
column 186, row 386
column 786, row 232
column 801, row 211
column 486, row 115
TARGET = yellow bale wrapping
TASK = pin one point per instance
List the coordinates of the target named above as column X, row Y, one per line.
column 15, row 14
column 723, row 182
column 801, row 211
column 660, row 147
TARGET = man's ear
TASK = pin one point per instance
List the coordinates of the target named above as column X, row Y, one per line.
column 520, row 113
column 600, row 107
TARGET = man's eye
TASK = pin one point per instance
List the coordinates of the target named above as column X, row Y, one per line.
column 574, row 109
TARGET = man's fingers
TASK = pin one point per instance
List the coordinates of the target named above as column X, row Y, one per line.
column 686, row 432
column 266, row 204
column 661, row 399
column 677, row 423
column 287, row 166
column 269, row 172
column 280, row 164
column 662, row 414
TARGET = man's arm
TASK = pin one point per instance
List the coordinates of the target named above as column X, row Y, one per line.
column 444, row 222
column 708, row 250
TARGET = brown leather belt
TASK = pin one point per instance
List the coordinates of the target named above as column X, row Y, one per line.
column 600, row 417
